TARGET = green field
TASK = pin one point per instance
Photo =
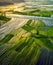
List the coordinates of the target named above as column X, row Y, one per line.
column 27, row 45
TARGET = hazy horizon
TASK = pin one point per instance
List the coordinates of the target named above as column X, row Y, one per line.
column 22, row 0
column 8, row 2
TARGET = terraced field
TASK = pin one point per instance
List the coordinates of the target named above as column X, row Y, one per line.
column 27, row 45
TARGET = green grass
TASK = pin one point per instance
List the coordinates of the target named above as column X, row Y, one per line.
column 6, row 38
column 4, row 18
column 23, row 46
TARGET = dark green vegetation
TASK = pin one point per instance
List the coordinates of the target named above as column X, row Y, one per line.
column 25, row 47
column 6, row 38
column 4, row 19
